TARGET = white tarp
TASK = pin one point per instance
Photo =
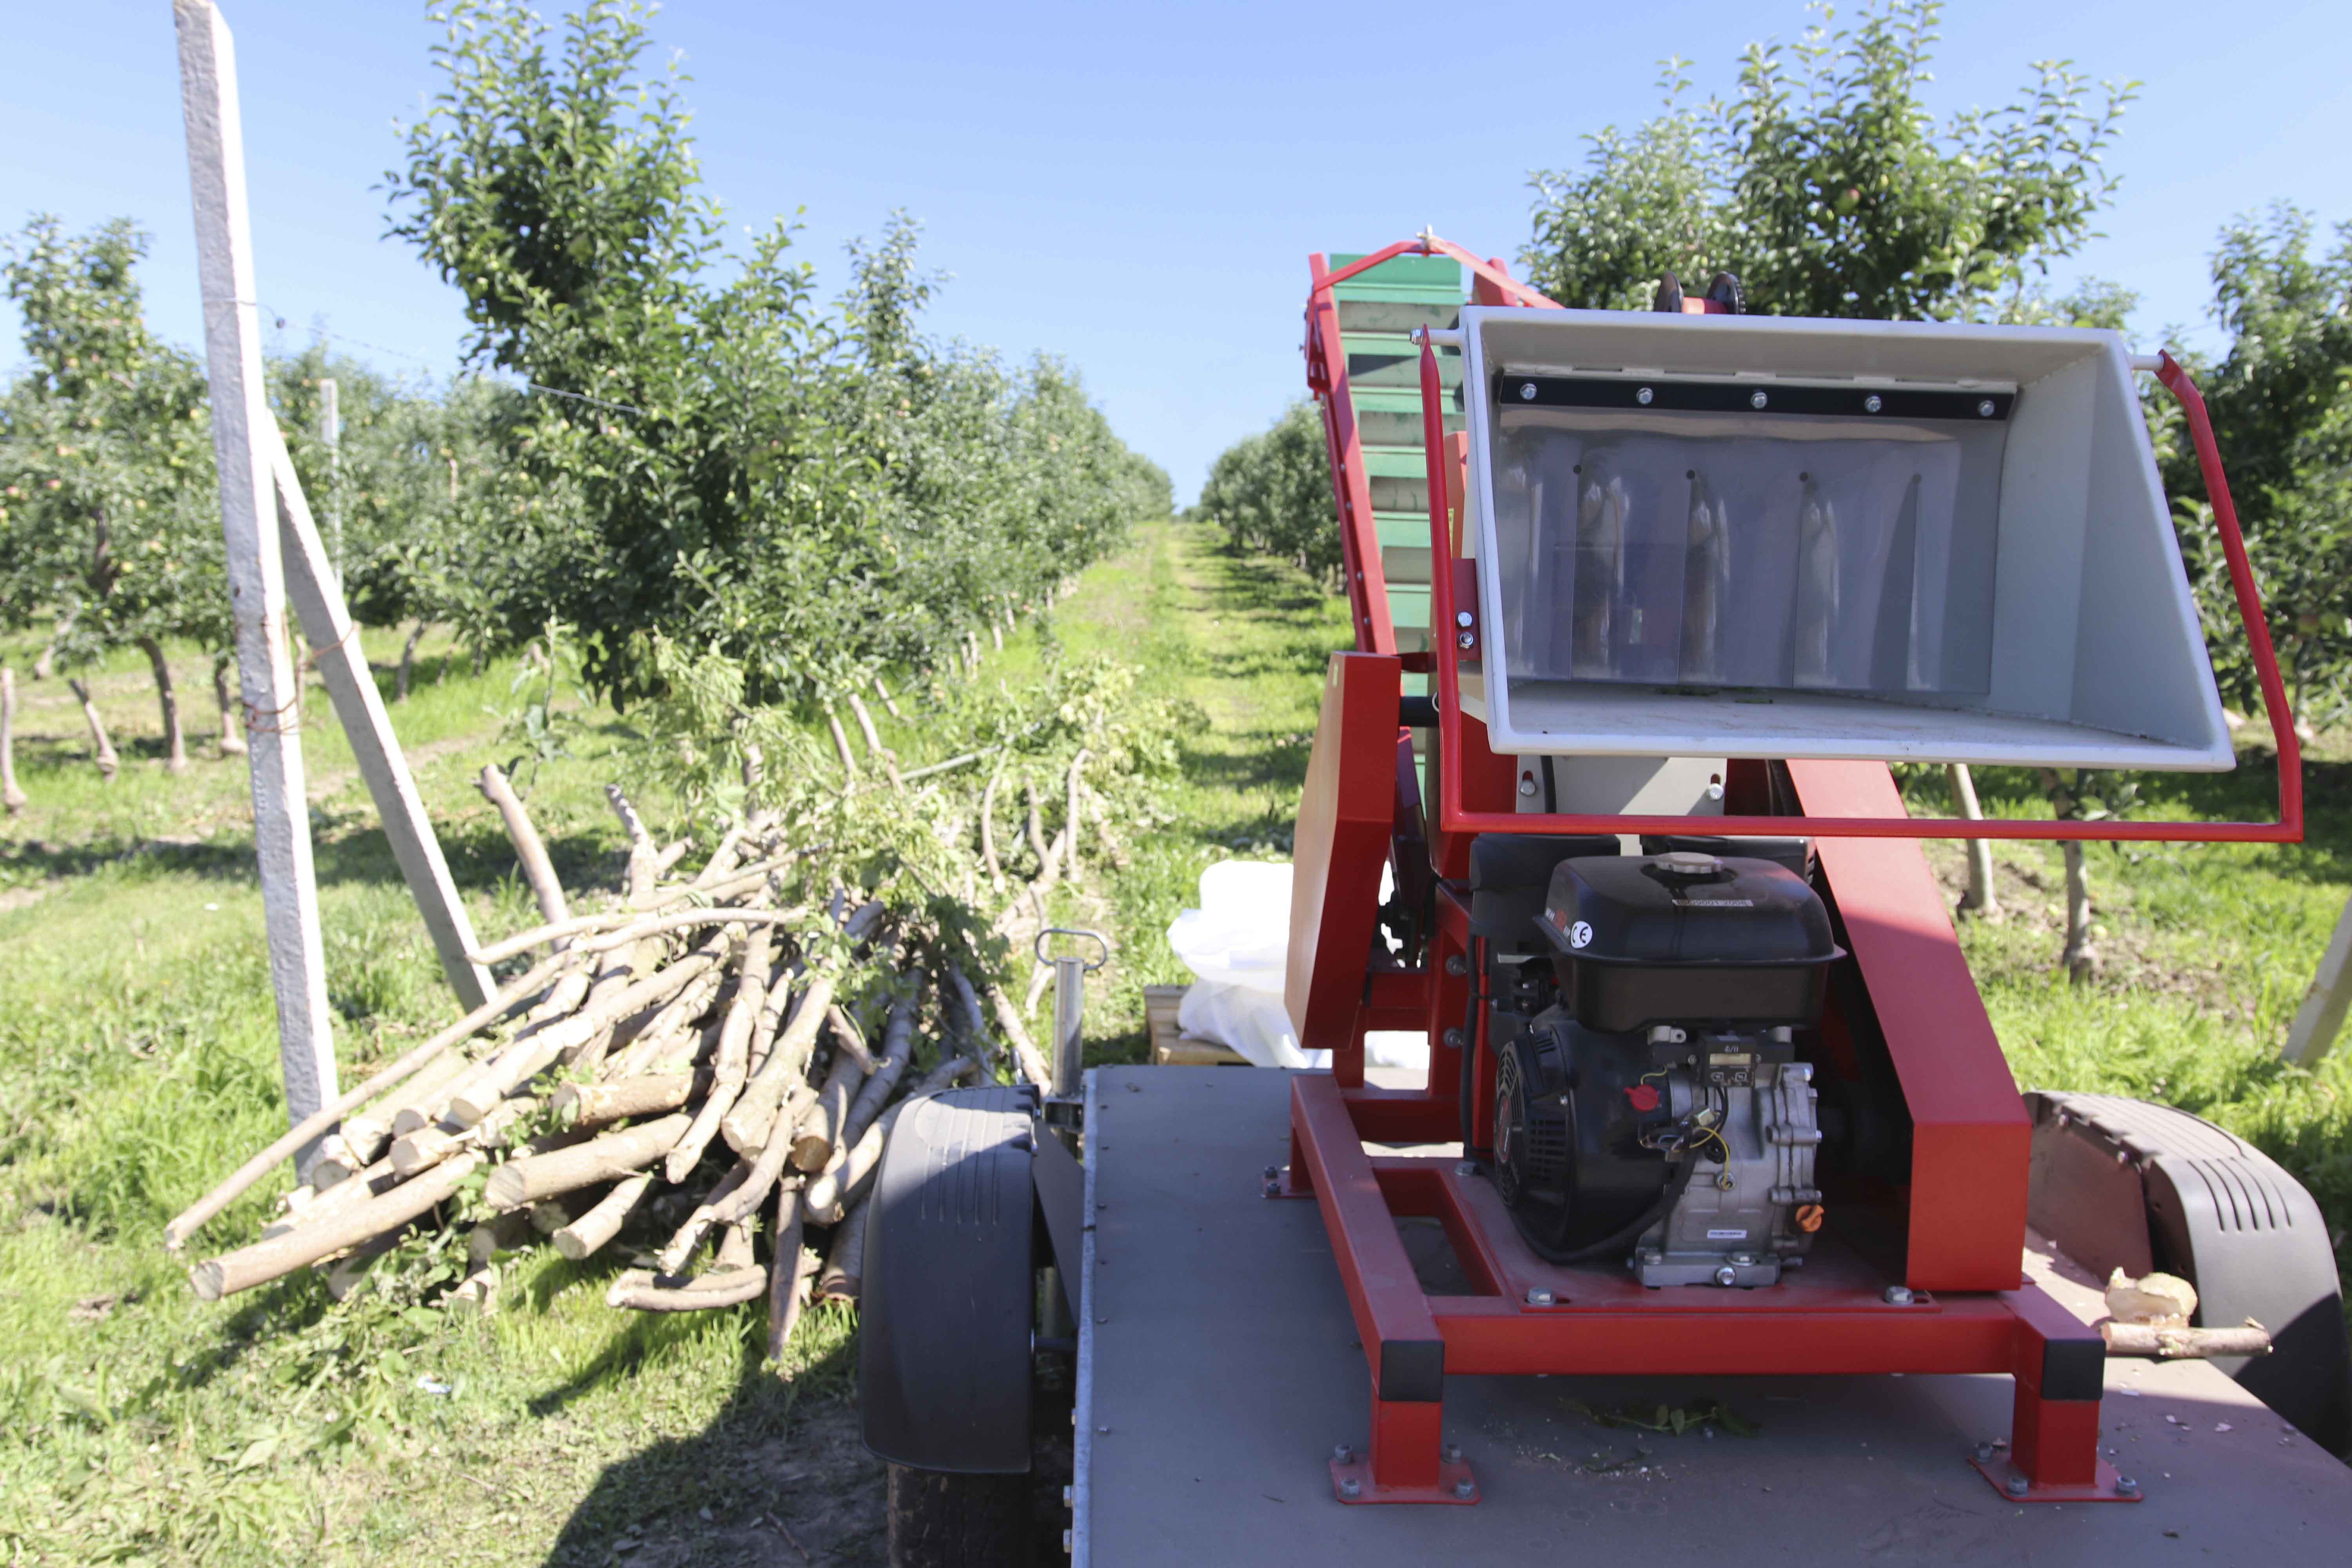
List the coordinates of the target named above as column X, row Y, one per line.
column 1236, row 944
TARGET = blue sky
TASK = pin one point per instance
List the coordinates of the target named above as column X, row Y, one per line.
column 1133, row 188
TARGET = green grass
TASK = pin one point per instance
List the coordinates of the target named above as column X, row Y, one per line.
column 138, row 1062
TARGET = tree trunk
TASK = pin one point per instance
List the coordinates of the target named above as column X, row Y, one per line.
column 10, row 796
column 889, row 702
column 101, row 748
column 45, row 664
column 407, row 660
column 232, row 733
column 2080, row 961
column 167, row 699
column 1978, row 898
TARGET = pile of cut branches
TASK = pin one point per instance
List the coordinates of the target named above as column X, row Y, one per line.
column 717, row 1052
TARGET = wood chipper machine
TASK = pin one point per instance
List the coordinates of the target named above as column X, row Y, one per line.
column 1600, row 803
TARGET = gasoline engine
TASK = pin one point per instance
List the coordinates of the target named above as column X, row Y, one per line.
column 1650, row 1105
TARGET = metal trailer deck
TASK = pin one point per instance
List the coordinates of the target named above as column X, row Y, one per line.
column 1219, row 1367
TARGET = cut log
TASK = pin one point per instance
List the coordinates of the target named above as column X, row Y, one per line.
column 844, row 1261
column 372, row 1181
column 672, row 1258
column 2182, row 1343
column 538, row 870
column 641, row 843
column 637, row 1290
column 277, row 1256
column 606, row 1159
column 786, row 1271
column 849, row 1037
column 747, row 1123
column 772, row 1159
column 898, row 1050
column 819, row 1133
column 406, row 1108
column 602, row 1104
column 346, row 1274
column 586, row 1235
column 321, row 1120
column 729, row 1064
column 1025, row 1055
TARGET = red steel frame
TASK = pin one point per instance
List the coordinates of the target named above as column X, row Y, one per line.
column 1930, row 1278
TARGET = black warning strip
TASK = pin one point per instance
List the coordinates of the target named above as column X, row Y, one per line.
column 1664, row 395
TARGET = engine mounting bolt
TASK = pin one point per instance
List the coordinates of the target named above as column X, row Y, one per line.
column 1985, row 1451
column 1984, row 409
column 2126, row 1487
column 1539, row 1297
column 1069, row 1496
column 1273, row 1189
column 1350, row 1488
column 1465, row 641
column 1069, row 1542
column 1756, row 400
column 1451, row 1453
column 1526, row 391
column 1896, row 1295
column 1467, row 1168
column 1462, row 617
column 1727, row 1275
column 2017, row 1486
column 1644, row 397
column 1272, row 1173
column 1343, row 1455
column 1456, row 964
column 1872, row 404
column 1465, row 1488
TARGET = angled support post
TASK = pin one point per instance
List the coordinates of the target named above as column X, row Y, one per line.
column 243, row 436
column 2321, row 1017
column 311, row 579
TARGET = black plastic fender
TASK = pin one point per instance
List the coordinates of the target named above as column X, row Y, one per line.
column 949, row 1292
column 2121, row 1184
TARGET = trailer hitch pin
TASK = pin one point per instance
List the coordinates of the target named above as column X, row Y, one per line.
column 1070, row 972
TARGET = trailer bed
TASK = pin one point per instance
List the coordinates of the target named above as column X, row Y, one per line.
column 1219, row 1366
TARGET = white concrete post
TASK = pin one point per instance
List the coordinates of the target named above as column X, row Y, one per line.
column 342, row 665
column 2321, row 1017
column 244, row 437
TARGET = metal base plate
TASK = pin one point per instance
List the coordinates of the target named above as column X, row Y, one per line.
column 1222, row 1366
column 2015, row 1485
column 1352, row 1483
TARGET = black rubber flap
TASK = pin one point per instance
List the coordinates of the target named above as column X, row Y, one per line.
column 944, row 1319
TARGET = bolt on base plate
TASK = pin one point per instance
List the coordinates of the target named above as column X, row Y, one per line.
column 2109, row 1486
column 1351, row 1482
column 1275, row 1183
